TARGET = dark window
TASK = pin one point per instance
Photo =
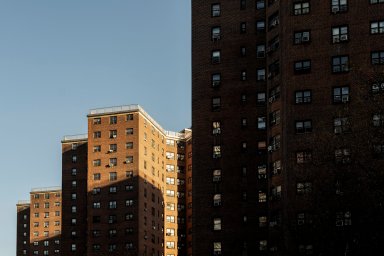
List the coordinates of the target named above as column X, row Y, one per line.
column 216, row 104
column 341, row 94
column 339, row 34
column 304, row 126
column 97, row 120
column 274, row 118
column 243, row 4
column 216, row 80
column 377, row 58
column 340, row 64
column 261, row 98
column 341, row 125
column 260, row 51
column 302, row 37
column 260, row 26
column 215, row 57
column 129, row 117
column 339, row 6
column 215, row 10
column 243, row 27
column 303, row 97
column 303, row 66
column 377, row 27
column 376, row 1
column 216, row 33
column 243, row 51
column 342, row 156
column 274, row 94
column 113, row 119
column 273, row 21
column 301, row 8
column 243, row 75
column 303, row 157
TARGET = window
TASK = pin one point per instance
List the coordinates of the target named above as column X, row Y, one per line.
column 341, row 125
column 377, row 88
column 274, row 118
column 129, row 145
column 129, row 131
column 260, row 51
column 343, row 219
column 97, row 120
column 170, row 181
column 74, row 159
column 216, row 80
column 96, row 176
column 378, row 120
column 243, row 75
column 216, row 104
column 216, row 175
column 377, row 27
column 216, row 248
column 301, row 8
column 302, row 67
column 112, row 205
column 262, row 197
column 215, row 10
column 112, row 176
column 216, row 151
column 339, row 34
column 261, row 123
column 97, row 148
column 217, row 200
column 216, row 128
column 97, row 135
column 129, row 202
column 216, row 33
column 217, row 224
column 260, row 74
column 112, row 162
column 262, row 221
column 170, row 219
column 260, row 26
column 129, row 117
column 377, row 58
column 341, row 94
column 303, row 188
column 274, row 143
column 215, row 56
column 376, row 1
column 303, row 97
column 112, row 134
column 262, row 171
column 304, row 126
column 243, row 27
column 276, row 167
column 342, row 156
column 260, row 4
column 243, row 4
column 57, row 213
column 340, row 64
column 129, row 159
column 302, row 37
column 303, row 157
column 113, row 120
column 96, row 205
column 46, row 205
column 112, row 148
column 261, row 98
column 339, row 6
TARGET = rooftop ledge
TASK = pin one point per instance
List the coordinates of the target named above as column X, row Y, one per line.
column 46, row 189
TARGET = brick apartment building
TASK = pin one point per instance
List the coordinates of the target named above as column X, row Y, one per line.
column 287, row 126
column 124, row 186
column 39, row 223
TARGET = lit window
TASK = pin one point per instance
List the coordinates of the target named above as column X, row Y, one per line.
column 261, row 123
column 217, row 224
column 216, row 248
column 216, row 128
column 217, row 151
column 217, row 175
column 217, row 200
column 262, row 197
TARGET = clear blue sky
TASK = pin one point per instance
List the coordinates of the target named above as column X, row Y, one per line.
column 60, row 58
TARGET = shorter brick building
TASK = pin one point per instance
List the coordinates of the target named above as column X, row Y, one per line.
column 39, row 223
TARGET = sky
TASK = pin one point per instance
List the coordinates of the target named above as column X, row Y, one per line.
column 60, row 58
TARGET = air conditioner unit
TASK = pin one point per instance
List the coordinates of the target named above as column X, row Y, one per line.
column 114, row 135
column 335, row 9
column 111, row 165
column 270, row 148
column 110, row 151
column 305, row 39
column 343, row 37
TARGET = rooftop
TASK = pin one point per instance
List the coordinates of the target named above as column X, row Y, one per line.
column 46, row 189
